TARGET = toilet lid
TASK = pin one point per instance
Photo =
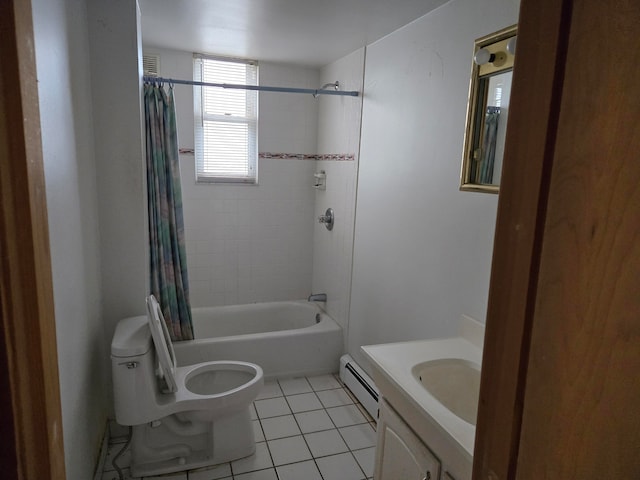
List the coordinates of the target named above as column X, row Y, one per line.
column 162, row 342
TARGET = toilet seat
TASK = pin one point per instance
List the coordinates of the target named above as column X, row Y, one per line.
column 212, row 388
column 163, row 344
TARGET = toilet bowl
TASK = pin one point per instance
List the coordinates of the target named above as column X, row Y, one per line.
column 230, row 387
column 182, row 417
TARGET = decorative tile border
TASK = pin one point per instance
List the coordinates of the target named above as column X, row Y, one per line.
column 287, row 156
column 337, row 157
column 341, row 157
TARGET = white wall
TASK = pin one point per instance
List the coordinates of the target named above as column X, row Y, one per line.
column 251, row 243
column 338, row 132
column 422, row 248
column 115, row 77
column 64, row 89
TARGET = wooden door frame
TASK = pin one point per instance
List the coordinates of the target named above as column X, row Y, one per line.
column 546, row 319
column 533, row 117
column 31, row 416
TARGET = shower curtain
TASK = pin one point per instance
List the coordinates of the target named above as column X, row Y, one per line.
column 485, row 174
column 168, row 259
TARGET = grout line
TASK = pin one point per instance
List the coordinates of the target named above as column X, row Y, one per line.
column 294, row 378
column 356, row 450
column 266, row 442
column 343, row 439
column 313, row 457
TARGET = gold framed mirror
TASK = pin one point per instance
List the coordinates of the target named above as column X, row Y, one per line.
column 487, row 111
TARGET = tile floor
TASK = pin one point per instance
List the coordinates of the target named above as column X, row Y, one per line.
column 308, row 428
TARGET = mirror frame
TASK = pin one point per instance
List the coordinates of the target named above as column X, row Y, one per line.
column 472, row 107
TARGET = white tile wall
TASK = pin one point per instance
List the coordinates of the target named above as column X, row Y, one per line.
column 289, row 122
column 252, row 243
column 338, row 132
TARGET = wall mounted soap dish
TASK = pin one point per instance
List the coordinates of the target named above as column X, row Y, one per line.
column 320, row 180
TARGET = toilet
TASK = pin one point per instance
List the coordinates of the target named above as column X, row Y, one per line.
column 182, row 417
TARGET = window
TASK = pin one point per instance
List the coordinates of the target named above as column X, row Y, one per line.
column 226, row 121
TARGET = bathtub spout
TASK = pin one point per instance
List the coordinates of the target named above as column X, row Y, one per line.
column 317, row 297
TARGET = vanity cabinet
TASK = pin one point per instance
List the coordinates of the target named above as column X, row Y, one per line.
column 419, row 437
column 400, row 454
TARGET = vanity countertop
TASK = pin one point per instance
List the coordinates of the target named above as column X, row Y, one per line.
column 393, row 363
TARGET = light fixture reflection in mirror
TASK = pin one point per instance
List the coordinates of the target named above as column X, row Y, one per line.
column 487, row 111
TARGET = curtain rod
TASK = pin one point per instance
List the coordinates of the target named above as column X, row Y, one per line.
column 260, row 88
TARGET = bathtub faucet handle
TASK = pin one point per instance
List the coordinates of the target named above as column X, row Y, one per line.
column 327, row 219
column 317, row 297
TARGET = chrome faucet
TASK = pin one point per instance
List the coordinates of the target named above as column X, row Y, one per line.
column 317, row 297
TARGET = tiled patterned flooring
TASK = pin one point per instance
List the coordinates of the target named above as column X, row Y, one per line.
column 308, row 428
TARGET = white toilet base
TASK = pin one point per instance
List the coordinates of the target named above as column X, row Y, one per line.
column 174, row 445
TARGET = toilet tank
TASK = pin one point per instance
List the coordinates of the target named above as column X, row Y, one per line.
column 133, row 371
column 131, row 338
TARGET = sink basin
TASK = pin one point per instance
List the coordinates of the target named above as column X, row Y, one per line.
column 435, row 383
column 454, row 382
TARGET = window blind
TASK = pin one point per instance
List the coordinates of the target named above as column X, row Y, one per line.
column 226, row 121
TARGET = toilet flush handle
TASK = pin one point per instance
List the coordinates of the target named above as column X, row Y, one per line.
column 130, row 365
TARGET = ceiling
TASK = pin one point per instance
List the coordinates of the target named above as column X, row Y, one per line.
column 302, row 32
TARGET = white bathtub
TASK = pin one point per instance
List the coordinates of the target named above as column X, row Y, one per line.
column 284, row 338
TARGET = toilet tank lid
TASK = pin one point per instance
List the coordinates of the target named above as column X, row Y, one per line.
column 131, row 338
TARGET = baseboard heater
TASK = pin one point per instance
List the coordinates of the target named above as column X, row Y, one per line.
column 360, row 384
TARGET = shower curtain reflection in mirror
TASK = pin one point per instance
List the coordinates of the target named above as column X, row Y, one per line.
column 487, row 111
column 484, row 171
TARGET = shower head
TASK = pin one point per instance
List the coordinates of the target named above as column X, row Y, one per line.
column 335, row 85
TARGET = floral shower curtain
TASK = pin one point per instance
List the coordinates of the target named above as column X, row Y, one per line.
column 168, row 259
column 485, row 171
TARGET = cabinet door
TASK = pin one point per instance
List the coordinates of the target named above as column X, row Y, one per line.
column 401, row 455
